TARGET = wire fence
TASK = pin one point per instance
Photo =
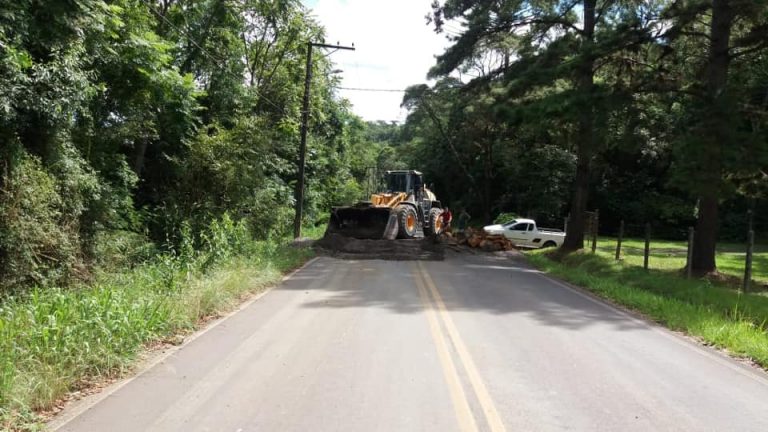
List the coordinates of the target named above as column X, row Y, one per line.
column 742, row 260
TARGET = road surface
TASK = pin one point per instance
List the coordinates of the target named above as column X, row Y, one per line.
column 474, row 342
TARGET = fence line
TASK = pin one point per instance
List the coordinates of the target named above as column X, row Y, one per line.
column 591, row 233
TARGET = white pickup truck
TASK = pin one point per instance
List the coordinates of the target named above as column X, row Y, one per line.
column 525, row 233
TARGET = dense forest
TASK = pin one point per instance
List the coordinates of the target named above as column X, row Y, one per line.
column 650, row 111
column 130, row 125
column 149, row 160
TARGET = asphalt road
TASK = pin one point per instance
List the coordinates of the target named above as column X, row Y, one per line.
column 469, row 343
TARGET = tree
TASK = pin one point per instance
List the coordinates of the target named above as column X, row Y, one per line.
column 558, row 51
column 729, row 36
column 153, row 118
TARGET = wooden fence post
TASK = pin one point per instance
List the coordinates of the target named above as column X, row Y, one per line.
column 647, row 245
column 689, row 257
column 618, row 242
column 748, row 262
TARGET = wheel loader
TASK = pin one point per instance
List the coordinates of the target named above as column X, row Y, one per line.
column 405, row 210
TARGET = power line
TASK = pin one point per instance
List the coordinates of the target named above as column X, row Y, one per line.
column 452, row 29
column 371, row 89
column 221, row 62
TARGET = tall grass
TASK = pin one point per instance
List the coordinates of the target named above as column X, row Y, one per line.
column 53, row 340
column 718, row 315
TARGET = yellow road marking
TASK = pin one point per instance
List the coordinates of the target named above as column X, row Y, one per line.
column 461, row 406
column 489, row 409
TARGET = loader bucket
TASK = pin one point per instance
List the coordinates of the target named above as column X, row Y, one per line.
column 363, row 222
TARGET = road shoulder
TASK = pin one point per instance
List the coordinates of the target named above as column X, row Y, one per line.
column 152, row 357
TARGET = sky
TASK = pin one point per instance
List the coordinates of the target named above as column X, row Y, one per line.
column 394, row 48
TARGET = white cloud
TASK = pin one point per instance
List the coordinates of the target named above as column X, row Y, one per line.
column 394, row 49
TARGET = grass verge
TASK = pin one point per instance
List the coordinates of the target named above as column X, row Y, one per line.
column 55, row 341
column 671, row 256
column 718, row 316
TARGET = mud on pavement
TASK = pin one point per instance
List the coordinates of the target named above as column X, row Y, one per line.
column 339, row 246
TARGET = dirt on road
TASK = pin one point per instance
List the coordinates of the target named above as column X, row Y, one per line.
column 339, row 246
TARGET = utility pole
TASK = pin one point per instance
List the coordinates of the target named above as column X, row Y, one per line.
column 303, row 146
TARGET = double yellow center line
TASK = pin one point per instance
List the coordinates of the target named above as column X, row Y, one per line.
column 435, row 307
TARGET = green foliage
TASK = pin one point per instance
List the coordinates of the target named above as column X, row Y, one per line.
column 236, row 170
column 38, row 227
column 145, row 122
column 53, row 340
column 147, row 174
column 540, row 111
column 505, row 217
column 118, row 249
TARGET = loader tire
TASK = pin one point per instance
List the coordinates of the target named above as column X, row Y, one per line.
column 407, row 222
column 436, row 222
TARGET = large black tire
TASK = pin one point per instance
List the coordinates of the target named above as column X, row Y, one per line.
column 407, row 222
column 549, row 244
column 435, row 222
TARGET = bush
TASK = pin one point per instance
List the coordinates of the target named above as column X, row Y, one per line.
column 118, row 250
column 231, row 170
column 38, row 237
column 505, row 217
column 53, row 340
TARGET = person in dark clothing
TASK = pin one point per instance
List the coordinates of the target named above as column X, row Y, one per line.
column 464, row 218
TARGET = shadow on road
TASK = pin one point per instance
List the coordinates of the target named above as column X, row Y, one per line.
column 478, row 285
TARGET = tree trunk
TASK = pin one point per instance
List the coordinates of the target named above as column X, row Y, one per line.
column 5, row 168
column 139, row 157
column 574, row 238
column 488, row 178
column 487, row 200
column 706, row 236
column 715, row 128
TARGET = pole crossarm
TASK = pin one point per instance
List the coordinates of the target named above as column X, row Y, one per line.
column 322, row 45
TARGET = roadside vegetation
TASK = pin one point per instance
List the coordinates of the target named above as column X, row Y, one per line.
column 715, row 313
column 148, row 157
column 551, row 109
column 650, row 112
column 56, row 340
column 148, row 161
column 670, row 256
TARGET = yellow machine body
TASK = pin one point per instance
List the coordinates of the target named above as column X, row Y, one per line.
column 398, row 212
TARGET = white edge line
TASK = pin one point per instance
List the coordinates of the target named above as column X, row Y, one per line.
column 712, row 354
column 60, row 420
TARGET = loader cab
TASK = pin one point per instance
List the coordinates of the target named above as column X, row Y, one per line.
column 411, row 182
column 404, row 181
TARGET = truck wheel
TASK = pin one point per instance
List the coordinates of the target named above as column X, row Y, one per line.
column 407, row 222
column 549, row 244
column 435, row 222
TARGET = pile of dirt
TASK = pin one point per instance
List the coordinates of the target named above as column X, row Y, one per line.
column 479, row 239
column 399, row 250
